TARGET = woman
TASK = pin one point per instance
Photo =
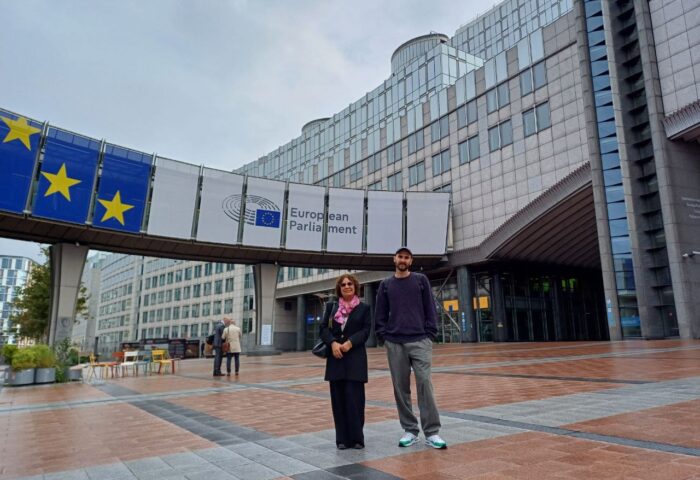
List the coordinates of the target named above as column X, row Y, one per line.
column 232, row 335
column 346, row 365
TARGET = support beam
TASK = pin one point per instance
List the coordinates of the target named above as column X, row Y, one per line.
column 465, row 292
column 301, row 323
column 370, row 296
column 67, row 263
column 265, row 277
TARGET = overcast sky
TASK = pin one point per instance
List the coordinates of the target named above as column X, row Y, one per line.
column 210, row 82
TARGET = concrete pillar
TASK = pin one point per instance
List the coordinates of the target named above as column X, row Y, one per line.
column 265, row 278
column 67, row 263
column 465, row 293
column 301, row 323
column 370, row 296
column 499, row 311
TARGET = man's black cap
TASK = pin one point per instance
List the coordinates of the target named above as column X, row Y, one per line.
column 404, row 249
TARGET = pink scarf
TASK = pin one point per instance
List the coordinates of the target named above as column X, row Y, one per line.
column 345, row 309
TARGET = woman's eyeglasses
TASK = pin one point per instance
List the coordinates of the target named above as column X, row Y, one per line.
column 347, row 284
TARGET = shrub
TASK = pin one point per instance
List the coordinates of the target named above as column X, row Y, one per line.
column 44, row 356
column 8, row 351
column 23, row 359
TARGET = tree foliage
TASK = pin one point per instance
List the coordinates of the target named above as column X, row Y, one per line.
column 33, row 302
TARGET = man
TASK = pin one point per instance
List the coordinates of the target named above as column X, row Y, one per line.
column 232, row 335
column 406, row 322
column 218, row 353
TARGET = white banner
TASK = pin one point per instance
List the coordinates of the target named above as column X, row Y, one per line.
column 220, row 207
column 426, row 218
column 305, row 217
column 345, row 218
column 264, row 201
column 172, row 203
column 384, row 221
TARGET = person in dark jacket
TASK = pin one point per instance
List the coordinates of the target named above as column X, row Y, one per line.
column 346, row 365
column 218, row 353
column 406, row 322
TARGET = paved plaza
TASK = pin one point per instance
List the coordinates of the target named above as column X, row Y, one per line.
column 593, row 410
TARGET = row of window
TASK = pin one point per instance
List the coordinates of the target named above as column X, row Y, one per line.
column 187, row 274
column 186, row 311
column 186, row 331
column 195, row 291
column 501, row 135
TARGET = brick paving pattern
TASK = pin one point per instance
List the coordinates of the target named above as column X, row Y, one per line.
column 603, row 410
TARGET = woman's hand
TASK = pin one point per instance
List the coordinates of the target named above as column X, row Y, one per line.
column 346, row 346
column 337, row 350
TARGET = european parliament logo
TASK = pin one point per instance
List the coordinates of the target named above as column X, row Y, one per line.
column 259, row 211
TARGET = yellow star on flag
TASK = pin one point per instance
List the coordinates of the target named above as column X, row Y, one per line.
column 115, row 208
column 19, row 130
column 60, row 182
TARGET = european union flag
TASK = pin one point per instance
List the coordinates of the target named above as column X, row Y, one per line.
column 267, row 218
column 121, row 196
column 18, row 153
column 67, row 177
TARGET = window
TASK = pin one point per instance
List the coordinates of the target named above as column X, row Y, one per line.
column 208, row 269
column 170, row 278
column 394, row 182
column 176, row 294
column 206, row 309
column 416, row 174
column 145, row 300
column 205, row 329
column 228, row 306
column 467, row 114
column 217, row 307
column 219, row 287
column 185, row 311
column 445, row 188
column 498, row 97
column 292, row 273
column 356, row 171
column 195, row 310
column 526, row 82
column 176, row 313
column 161, row 280
column 374, row 163
column 148, row 284
column 197, row 271
column 169, row 296
column 229, row 285
column 188, row 273
column 536, row 119
column 539, row 75
column 375, row 186
column 394, row 153
column 439, row 129
column 441, row 162
column 415, row 142
column 185, row 293
column 247, row 281
column 500, row 136
column 337, row 179
column 218, row 267
column 178, row 276
column 469, row 150
column 196, row 291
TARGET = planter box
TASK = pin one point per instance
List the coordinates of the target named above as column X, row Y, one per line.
column 45, row 375
column 23, row 377
column 74, row 373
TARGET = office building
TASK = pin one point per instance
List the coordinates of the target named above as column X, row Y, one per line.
column 14, row 273
column 567, row 132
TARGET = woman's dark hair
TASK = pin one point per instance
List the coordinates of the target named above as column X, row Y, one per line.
column 354, row 281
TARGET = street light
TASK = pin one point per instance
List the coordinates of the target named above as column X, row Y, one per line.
column 690, row 254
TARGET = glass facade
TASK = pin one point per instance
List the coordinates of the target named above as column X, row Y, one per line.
column 14, row 273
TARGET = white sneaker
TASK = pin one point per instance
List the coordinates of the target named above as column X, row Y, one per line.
column 436, row 442
column 407, row 440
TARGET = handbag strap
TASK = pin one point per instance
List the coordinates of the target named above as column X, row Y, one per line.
column 334, row 306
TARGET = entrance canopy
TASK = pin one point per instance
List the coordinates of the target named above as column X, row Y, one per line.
column 57, row 186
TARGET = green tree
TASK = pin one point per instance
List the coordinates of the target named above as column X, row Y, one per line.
column 33, row 302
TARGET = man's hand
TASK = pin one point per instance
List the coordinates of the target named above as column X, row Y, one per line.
column 337, row 351
column 346, row 346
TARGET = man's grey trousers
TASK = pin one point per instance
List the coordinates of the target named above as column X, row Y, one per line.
column 419, row 356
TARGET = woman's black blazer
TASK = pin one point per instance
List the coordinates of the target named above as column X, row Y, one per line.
column 353, row 365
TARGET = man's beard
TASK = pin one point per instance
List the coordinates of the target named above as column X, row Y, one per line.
column 402, row 266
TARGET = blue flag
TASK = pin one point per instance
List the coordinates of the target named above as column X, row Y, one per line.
column 121, row 196
column 267, row 218
column 66, row 177
column 18, row 153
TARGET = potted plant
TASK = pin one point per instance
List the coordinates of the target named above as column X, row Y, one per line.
column 23, row 364
column 7, row 352
column 45, row 364
column 66, row 357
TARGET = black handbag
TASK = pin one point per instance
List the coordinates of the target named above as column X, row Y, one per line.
column 321, row 349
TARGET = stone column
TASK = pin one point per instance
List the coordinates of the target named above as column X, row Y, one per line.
column 499, row 311
column 465, row 293
column 265, row 278
column 67, row 263
column 301, row 323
